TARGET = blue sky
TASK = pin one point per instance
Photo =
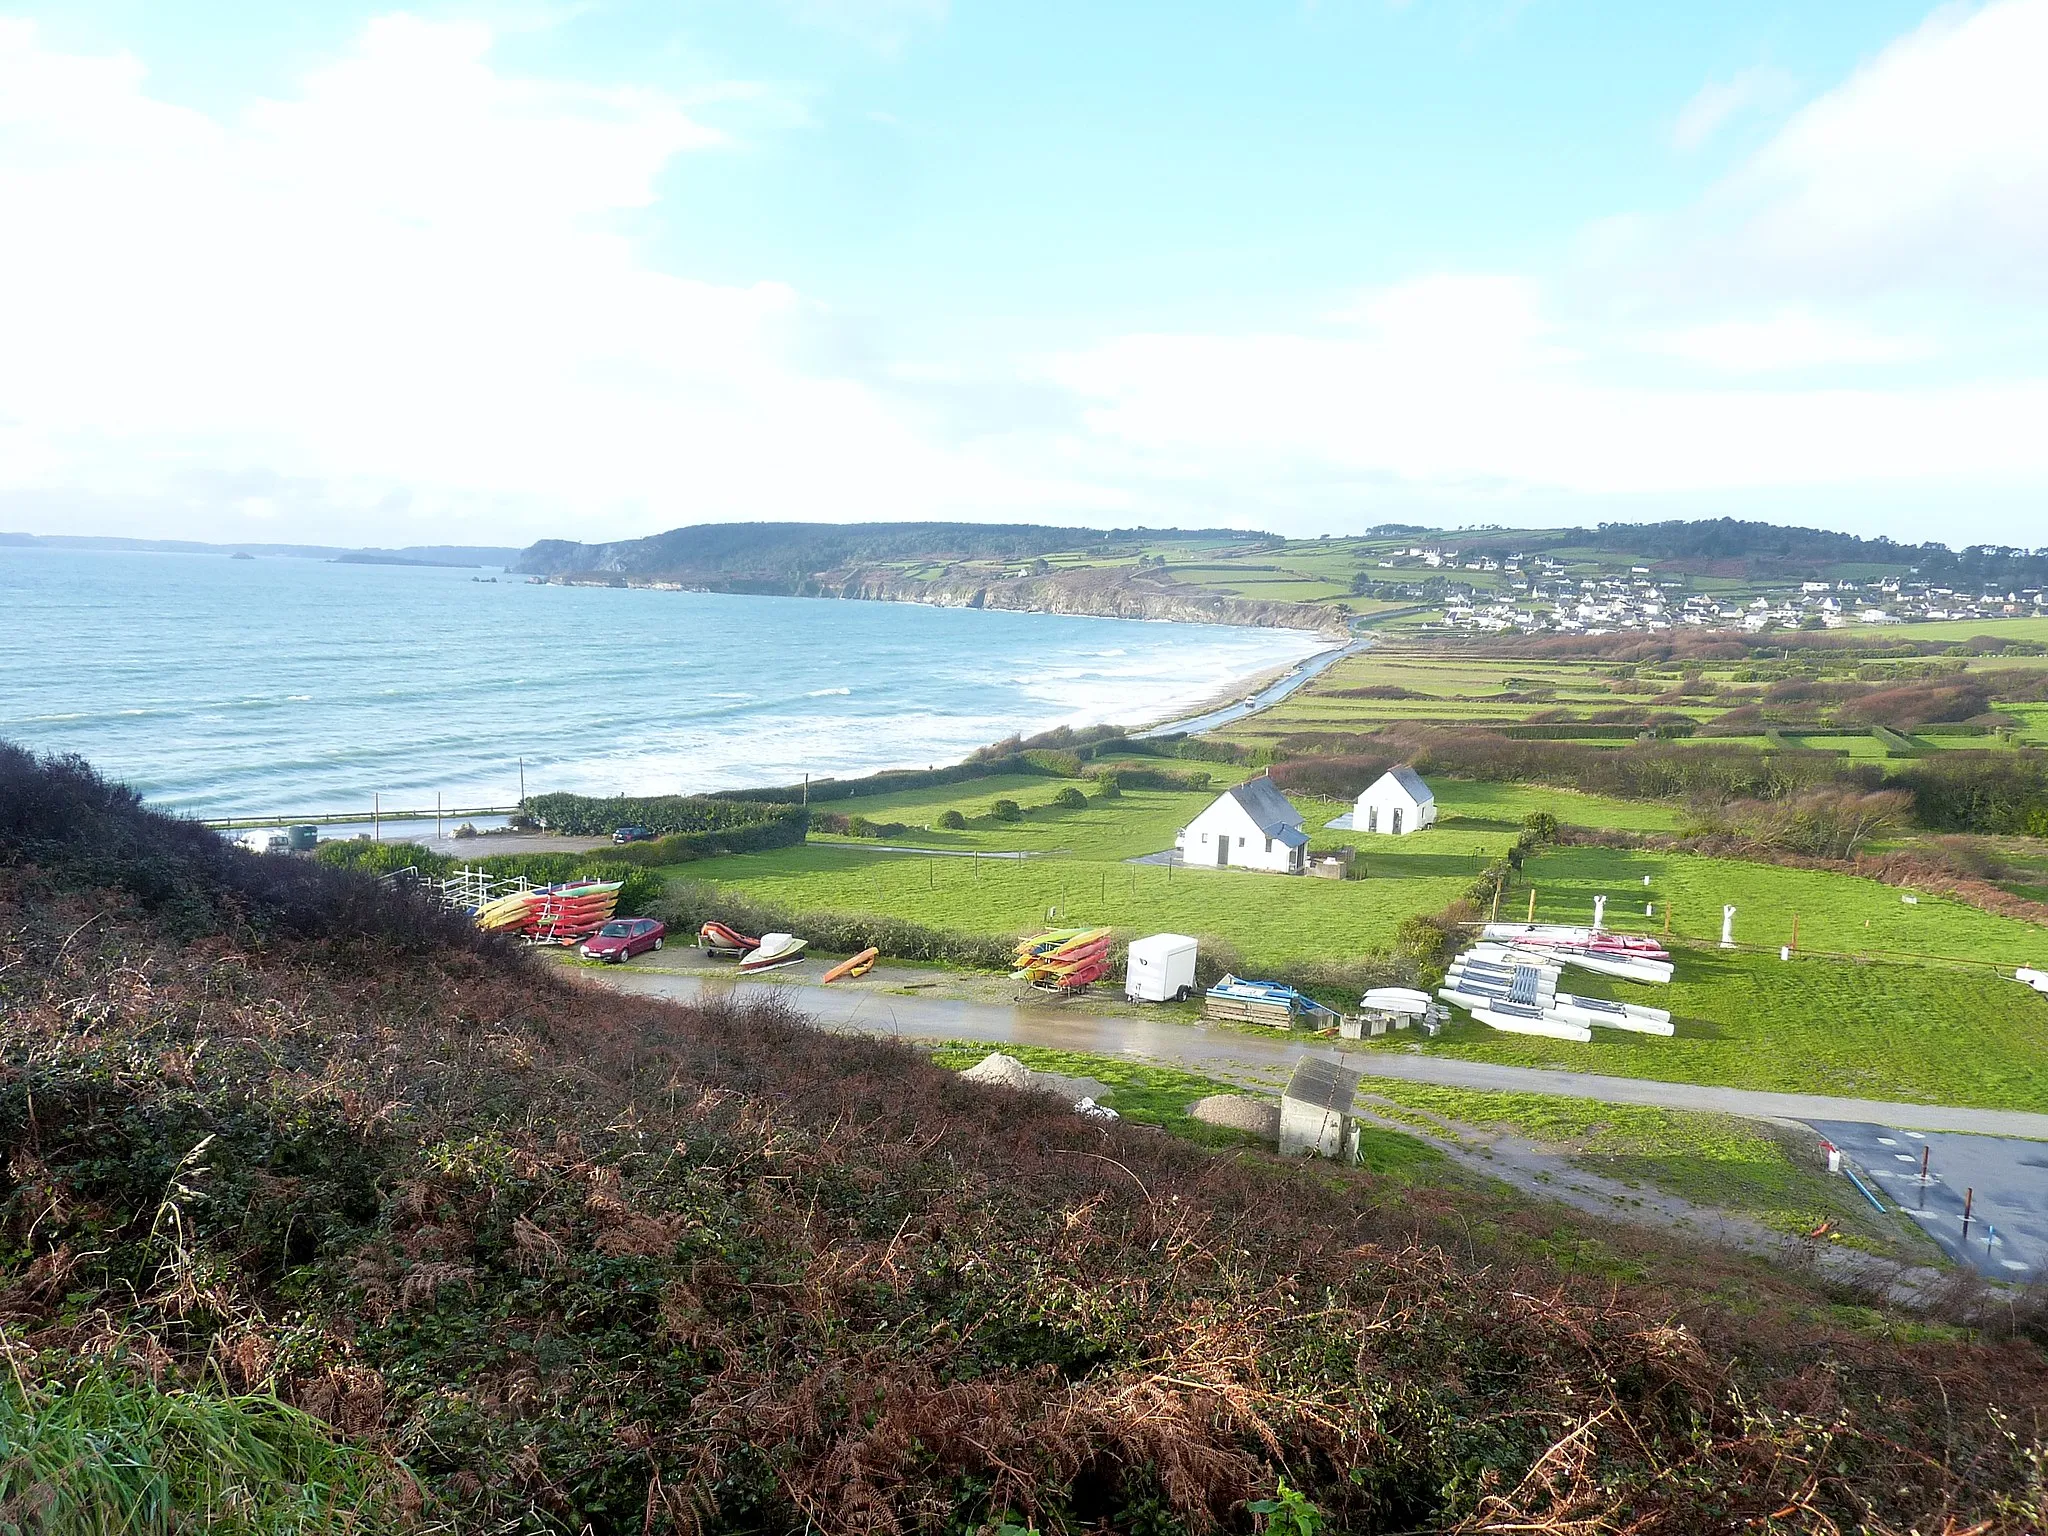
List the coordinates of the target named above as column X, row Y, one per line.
column 496, row 272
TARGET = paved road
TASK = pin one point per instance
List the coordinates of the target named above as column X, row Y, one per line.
column 2007, row 1237
column 1265, row 698
column 1245, row 1058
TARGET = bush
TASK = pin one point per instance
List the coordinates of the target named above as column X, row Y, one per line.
column 595, row 816
column 1007, row 810
column 952, row 821
column 1070, row 799
column 1108, row 785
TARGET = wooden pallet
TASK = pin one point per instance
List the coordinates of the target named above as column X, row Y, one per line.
column 1242, row 1011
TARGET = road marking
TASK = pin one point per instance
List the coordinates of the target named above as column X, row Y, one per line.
column 1904, row 1157
column 1886, row 1141
column 1917, row 1135
column 2012, row 1263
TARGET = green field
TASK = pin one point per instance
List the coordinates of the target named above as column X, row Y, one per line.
column 1271, row 919
column 1923, row 1034
column 1840, row 914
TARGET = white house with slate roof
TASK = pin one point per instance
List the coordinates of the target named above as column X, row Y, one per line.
column 1395, row 804
column 1250, row 827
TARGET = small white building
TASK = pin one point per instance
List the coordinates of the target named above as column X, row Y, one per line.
column 1253, row 826
column 1395, row 804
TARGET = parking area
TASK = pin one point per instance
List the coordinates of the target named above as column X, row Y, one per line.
column 2003, row 1180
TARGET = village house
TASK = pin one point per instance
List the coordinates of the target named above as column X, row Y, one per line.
column 1250, row 827
column 1395, row 804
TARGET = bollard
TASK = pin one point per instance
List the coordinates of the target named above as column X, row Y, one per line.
column 1727, row 927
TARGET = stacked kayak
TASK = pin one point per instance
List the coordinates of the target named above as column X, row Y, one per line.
column 553, row 914
column 1631, row 956
column 1516, row 996
column 1512, row 985
column 1063, row 959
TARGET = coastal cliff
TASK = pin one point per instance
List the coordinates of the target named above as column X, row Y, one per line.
column 944, row 565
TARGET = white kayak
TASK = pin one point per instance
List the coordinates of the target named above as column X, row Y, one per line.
column 1628, row 967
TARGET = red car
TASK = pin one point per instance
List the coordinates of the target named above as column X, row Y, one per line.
column 622, row 938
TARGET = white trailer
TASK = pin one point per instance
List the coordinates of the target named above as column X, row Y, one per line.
column 1161, row 968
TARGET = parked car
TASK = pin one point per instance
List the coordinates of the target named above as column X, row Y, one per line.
column 632, row 835
column 622, row 938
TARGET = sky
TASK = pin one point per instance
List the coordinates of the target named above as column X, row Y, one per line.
column 491, row 272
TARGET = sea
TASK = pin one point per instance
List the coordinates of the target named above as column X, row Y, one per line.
column 283, row 687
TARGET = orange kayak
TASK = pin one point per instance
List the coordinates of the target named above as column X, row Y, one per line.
column 858, row 965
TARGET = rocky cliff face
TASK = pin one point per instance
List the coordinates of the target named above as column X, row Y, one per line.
column 1108, row 593
column 1112, row 593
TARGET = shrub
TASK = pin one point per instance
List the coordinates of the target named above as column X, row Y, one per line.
column 594, row 816
column 952, row 821
column 1108, row 785
column 1007, row 810
column 1070, row 799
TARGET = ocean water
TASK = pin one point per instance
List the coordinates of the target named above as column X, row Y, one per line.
column 269, row 687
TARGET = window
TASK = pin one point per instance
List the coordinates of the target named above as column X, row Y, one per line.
column 1269, row 845
column 1240, row 842
column 1372, row 818
column 1205, row 837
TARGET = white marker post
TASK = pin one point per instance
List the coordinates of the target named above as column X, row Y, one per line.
column 1599, row 913
column 1727, row 927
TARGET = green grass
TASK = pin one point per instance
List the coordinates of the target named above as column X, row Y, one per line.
column 1744, row 1167
column 1969, row 629
column 1160, row 1096
column 107, row 1457
column 1919, row 1034
column 1272, row 919
column 1840, row 914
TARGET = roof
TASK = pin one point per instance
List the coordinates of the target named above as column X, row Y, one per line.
column 1319, row 1081
column 1263, row 802
column 1293, row 837
column 1410, row 782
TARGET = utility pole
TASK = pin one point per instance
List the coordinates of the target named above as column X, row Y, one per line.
column 522, row 781
column 376, row 816
column 437, row 815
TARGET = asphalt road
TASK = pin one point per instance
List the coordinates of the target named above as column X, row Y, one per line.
column 2007, row 1237
column 1241, row 1057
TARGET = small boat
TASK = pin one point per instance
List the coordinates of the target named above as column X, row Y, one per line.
column 1062, row 960
column 1396, row 1000
column 1549, row 934
column 718, row 939
column 856, row 965
column 1628, row 967
column 775, row 950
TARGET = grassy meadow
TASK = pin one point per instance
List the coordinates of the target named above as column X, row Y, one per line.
column 1918, row 1033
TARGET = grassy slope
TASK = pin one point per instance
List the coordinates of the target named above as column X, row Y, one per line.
column 1742, row 1166
column 1918, row 1033
column 1840, row 914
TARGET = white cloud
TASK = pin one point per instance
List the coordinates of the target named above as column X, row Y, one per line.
column 1929, row 166
column 1790, row 336
column 1491, row 407
column 407, row 277
column 1759, row 88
